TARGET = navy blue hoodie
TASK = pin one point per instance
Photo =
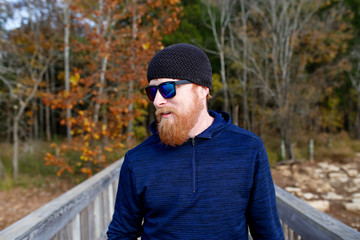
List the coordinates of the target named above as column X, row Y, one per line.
column 214, row 186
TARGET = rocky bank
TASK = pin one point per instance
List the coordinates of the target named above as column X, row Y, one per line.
column 331, row 187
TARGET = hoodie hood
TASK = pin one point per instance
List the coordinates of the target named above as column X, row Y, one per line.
column 221, row 120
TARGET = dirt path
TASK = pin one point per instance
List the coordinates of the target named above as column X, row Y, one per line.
column 19, row 202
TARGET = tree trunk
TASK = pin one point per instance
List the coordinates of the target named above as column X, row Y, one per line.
column 101, row 89
column 236, row 115
column 47, row 111
column 283, row 149
column 104, row 60
column 67, row 67
column 23, row 105
column 223, row 80
column 15, row 161
column 349, row 118
column 130, row 128
column 35, row 120
column 289, row 147
column 52, row 89
column 262, row 118
column 287, row 132
column 2, row 170
column 252, row 122
column 8, row 125
column 225, row 8
column 245, row 107
column 244, row 80
column 357, row 118
column 41, row 119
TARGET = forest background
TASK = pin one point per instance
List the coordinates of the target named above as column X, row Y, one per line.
column 72, row 77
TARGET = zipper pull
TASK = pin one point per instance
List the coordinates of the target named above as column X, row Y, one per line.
column 193, row 141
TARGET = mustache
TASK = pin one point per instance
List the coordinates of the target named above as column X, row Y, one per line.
column 165, row 110
column 160, row 111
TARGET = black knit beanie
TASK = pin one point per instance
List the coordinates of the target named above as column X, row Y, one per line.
column 181, row 61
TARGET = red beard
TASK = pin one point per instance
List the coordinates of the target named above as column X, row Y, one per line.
column 175, row 133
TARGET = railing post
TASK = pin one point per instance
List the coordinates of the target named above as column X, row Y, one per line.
column 75, row 227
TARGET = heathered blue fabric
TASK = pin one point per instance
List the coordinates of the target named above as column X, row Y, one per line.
column 212, row 187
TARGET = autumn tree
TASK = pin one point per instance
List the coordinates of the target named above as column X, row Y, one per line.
column 33, row 45
column 354, row 73
column 219, row 14
column 67, row 13
column 117, row 40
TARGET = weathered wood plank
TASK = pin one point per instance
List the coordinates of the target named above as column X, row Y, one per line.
column 97, row 217
column 110, row 203
column 85, row 224
column 91, row 220
column 309, row 222
column 75, row 228
column 45, row 222
column 105, row 207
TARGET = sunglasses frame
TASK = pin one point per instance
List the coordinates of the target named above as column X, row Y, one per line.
column 157, row 87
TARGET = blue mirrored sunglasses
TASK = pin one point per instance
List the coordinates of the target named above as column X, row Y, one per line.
column 166, row 89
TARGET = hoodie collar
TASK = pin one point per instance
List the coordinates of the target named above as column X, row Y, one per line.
column 221, row 120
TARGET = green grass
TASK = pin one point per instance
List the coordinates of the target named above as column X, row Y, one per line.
column 32, row 169
column 31, row 158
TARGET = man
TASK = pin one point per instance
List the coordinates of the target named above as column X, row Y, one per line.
column 198, row 176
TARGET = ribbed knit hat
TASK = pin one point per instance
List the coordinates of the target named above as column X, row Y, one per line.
column 181, row 61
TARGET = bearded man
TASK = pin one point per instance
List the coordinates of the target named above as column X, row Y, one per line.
column 198, row 176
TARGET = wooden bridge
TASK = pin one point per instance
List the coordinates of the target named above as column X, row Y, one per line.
column 85, row 212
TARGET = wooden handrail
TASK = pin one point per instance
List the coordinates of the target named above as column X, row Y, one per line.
column 84, row 206
column 308, row 222
column 85, row 211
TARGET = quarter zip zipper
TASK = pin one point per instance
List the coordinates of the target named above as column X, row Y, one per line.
column 193, row 166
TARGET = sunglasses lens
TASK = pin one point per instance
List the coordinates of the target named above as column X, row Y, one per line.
column 167, row 90
column 151, row 92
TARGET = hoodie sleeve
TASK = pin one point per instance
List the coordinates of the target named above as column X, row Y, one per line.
column 262, row 215
column 127, row 218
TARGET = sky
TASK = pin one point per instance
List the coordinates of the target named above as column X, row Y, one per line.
column 14, row 22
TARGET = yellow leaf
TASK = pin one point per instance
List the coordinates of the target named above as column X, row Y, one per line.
column 104, row 127
column 74, row 79
column 108, row 149
column 146, row 46
column 86, row 122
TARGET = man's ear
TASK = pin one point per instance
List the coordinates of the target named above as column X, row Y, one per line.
column 202, row 91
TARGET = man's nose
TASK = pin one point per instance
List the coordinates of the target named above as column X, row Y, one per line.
column 159, row 100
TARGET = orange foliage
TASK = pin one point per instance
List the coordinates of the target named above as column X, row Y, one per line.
column 118, row 43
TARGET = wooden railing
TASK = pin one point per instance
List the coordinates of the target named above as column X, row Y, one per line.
column 85, row 212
